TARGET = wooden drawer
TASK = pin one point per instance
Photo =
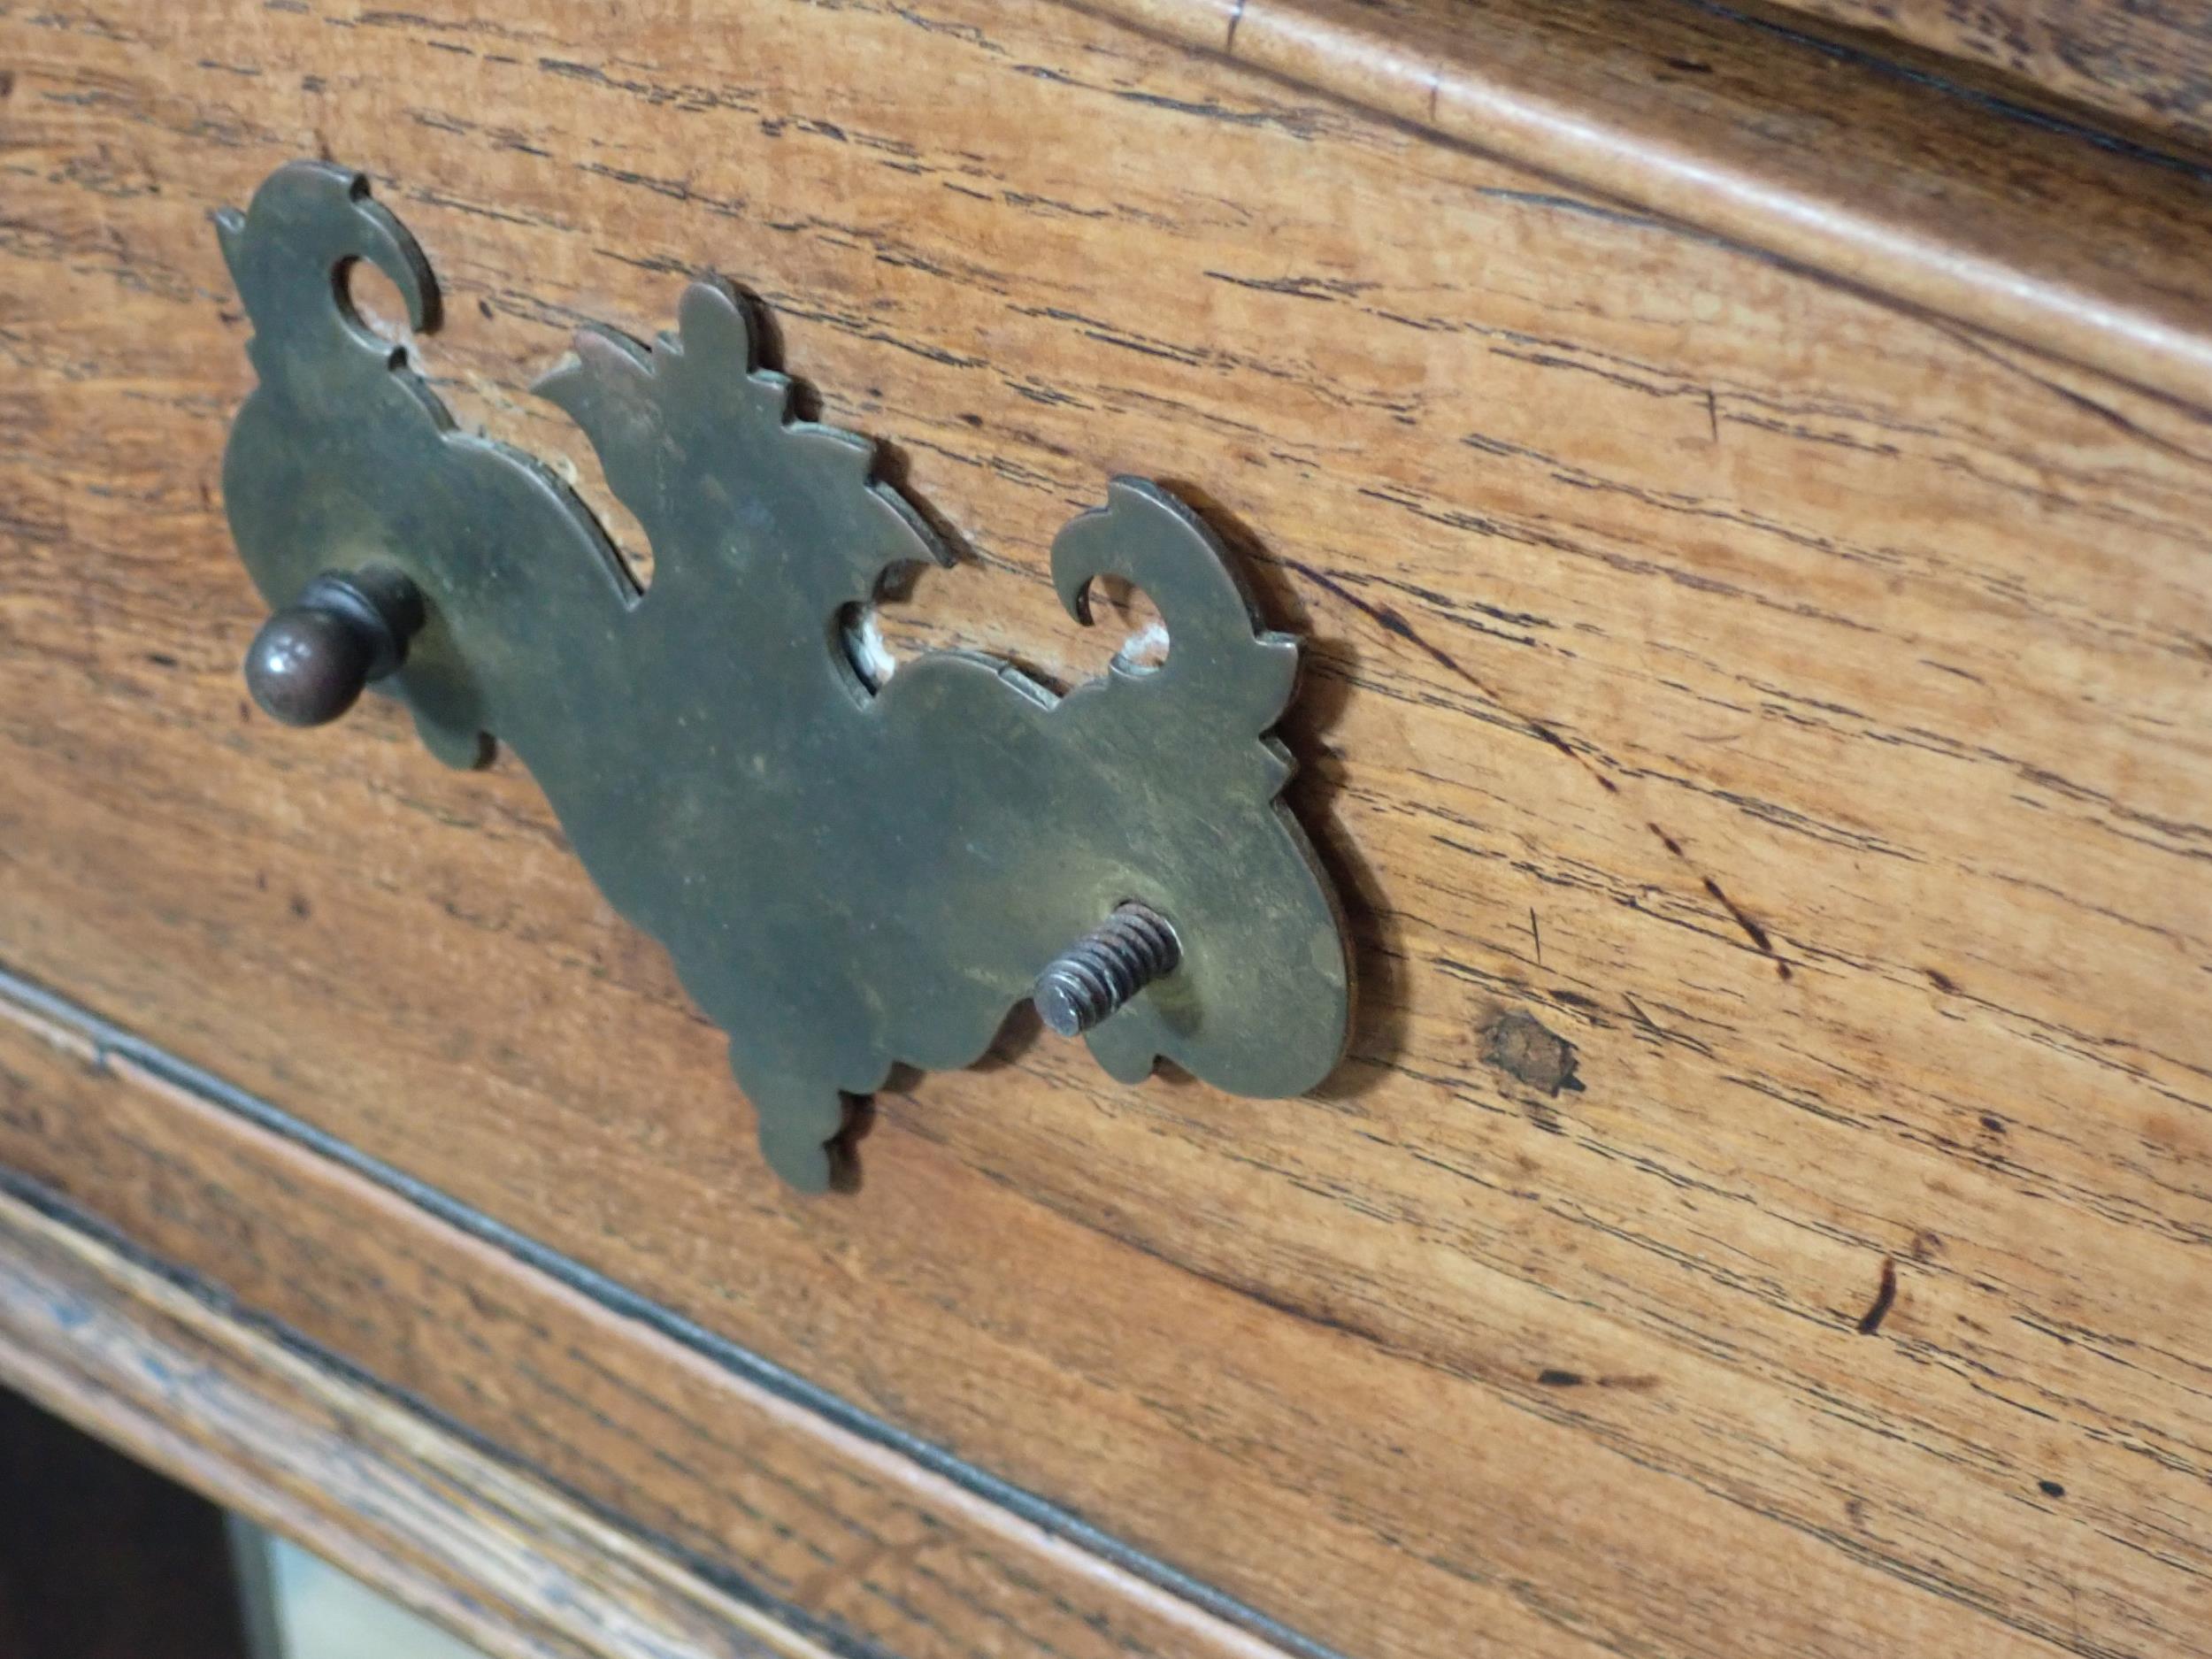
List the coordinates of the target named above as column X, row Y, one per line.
column 1760, row 650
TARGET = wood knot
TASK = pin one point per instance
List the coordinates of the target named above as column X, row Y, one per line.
column 1522, row 1047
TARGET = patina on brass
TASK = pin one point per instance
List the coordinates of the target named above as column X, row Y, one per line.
column 313, row 660
column 848, row 877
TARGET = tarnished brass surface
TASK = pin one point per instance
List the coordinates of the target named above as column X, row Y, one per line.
column 848, row 877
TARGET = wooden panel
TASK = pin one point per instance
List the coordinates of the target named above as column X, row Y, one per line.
column 2148, row 65
column 1949, row 201
column 101, row 1558
column 1794, row 705
column 836, row 1533
column 370, row 1487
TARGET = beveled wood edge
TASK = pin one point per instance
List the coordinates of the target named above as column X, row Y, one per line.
column 105, row 1343
column 2123, row 67
column 2090, row 251
column 405, row 1507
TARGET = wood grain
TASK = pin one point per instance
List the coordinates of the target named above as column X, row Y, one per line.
column 2150, row 65
column 400, row 1505
column 1831, row 162
column 798, row 1516
column 1793, row 706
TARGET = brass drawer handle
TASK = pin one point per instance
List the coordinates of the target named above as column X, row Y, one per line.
column 847, row 876
column 311, row 661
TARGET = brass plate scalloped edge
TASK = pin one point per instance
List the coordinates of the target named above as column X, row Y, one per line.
column 848, row 878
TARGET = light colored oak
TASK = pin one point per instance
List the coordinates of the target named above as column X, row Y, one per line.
column 1796, row 703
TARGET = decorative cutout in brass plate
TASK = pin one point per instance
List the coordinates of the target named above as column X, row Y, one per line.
column 847, row 876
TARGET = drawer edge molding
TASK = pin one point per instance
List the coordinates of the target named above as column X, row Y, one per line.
column 134, row 1358
column 2090, row 251
column 154, row 1171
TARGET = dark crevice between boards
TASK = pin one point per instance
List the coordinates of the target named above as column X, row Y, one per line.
column 39, row 1006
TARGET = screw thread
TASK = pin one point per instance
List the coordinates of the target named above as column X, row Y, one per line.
column 1099, row 973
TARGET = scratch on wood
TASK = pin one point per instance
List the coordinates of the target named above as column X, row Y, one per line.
column 1885, row 1296
column 1394, row 622
column 1743, row 919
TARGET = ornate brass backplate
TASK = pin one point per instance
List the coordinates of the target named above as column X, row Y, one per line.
column 847, row 876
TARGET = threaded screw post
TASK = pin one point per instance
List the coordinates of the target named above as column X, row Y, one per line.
column 1101, row 972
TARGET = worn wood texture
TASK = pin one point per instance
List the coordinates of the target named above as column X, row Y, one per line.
column 101, row 1558
column 1838, row 163
column 2149, row 65
column 836, row 1534
column 1763, row 732
column 371, row 1486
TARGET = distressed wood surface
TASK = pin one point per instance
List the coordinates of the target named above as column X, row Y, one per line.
column 1846, row 162
column 2149, row 65
column 1763, row 732
column 831, row 1532
column 387, row 1496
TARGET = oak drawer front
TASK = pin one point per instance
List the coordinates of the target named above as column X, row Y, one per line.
column 2129, row 69
column 1758, row 729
